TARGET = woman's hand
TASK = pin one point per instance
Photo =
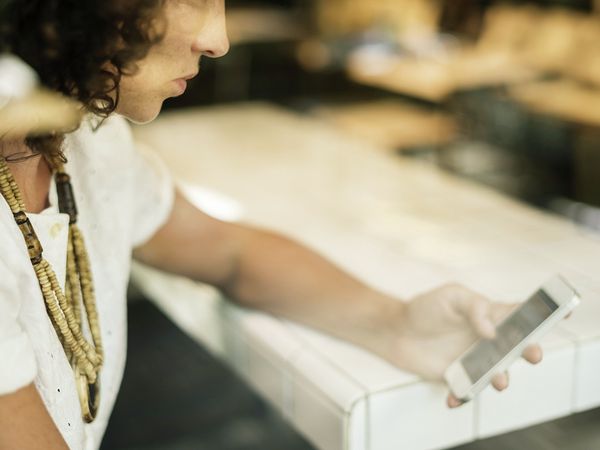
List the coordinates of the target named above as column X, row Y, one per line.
column 438, row 326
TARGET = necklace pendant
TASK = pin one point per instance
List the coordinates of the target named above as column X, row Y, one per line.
column 89, row 395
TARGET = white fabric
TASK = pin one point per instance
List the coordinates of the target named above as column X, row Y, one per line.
column 123, row 197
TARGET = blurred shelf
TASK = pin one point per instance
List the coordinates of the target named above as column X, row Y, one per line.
column 436, row 80
column 263, row 25
column 391, row 124
column 565, row 99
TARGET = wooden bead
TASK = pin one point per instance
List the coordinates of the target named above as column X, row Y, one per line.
column 34, row 247
column 66, row 197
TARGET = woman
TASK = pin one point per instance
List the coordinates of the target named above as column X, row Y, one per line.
column 121, row 59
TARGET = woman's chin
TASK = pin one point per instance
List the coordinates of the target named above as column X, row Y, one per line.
column 140, row 116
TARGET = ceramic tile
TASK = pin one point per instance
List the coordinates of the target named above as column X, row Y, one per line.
column 194, row 307
column 356, row 427
column 235, row 345
column 587, row 378
column 516, row 222
column 578, row 253
column 317, row 418
column 511, row 279
column 270, row 379
column 268, row 334
column 325, row 379
column 537, row 394
column 585, row 320
column 557, row 338
column 267, row 347
column 416, row 417
column 432, row 241
column 375, row 261
column 363, row 368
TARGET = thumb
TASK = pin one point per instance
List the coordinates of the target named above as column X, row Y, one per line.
column 479, row 314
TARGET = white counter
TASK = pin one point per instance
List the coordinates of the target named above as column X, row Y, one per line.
column 399, row 225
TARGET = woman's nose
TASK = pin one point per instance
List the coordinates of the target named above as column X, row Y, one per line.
column 212, row 39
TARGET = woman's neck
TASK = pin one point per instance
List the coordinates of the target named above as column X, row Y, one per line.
column 32, row 175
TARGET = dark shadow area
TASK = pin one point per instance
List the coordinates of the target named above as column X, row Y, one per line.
column 175, row 395
column 576, row 432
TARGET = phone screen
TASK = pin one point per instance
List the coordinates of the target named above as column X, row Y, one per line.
column 510, row 333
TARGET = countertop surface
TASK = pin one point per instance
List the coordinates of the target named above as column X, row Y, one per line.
column 399, row 225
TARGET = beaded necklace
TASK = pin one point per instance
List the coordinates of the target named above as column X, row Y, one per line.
column 64, row 308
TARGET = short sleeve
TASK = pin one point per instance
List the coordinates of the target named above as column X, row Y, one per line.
column 155, row 194
column 18, row 366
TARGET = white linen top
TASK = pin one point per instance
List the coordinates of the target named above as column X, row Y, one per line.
column 123, row 197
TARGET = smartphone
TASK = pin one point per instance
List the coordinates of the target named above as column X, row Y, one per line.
column 474, row 370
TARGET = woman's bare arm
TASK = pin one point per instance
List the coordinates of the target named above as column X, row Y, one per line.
column 269, row 272
column 25, row 423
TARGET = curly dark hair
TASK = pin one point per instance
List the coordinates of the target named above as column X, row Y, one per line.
column 80, row 48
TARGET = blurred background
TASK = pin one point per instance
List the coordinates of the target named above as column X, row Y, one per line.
column 503, row 93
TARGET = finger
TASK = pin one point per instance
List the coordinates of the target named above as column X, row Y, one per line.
column 453, row 402
column 500, row 381
column 533, row 354
column 501, row 311
column 481, row 320
column 478, row 310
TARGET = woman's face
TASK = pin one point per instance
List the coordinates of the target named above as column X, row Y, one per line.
column 195, row 28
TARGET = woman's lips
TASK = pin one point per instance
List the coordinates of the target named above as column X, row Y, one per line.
column 182, row 82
